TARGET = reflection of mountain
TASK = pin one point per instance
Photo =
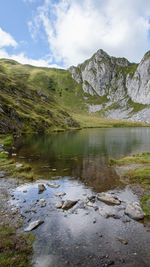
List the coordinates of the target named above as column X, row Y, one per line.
column 95, row 173
column 110, row 142
column 84, row 154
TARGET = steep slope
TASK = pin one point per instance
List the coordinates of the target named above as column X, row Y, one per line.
column 121, row 88
column 29, row 98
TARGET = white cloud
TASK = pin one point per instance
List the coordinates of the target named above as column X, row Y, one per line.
column 21, row 58
column 6, row 39
column 76, row 29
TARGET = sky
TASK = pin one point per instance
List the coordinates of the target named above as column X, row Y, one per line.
column 61, row 33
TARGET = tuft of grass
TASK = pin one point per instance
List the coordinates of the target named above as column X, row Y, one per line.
column 15, row 248
column 146, row 204
column 8, row 141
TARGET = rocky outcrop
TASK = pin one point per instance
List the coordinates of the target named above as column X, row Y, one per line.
column 138, row 86
column 123, row 87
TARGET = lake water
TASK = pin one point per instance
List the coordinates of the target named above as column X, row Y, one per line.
column 78, row 162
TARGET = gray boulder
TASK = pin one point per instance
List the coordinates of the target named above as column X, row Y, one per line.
column 108, row 198
column 134, row 211
column 68, row 204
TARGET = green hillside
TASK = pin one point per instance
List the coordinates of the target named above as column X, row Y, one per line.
column 34, row 99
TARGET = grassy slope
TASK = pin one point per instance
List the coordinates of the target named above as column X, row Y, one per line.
column 36, row 99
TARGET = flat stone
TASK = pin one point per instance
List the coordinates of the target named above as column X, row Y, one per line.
column 53, row 185
column 33, row 225
column 68, row 204
column 108, row 198
column 41, row 188
column 60, row 194
column 134, row 211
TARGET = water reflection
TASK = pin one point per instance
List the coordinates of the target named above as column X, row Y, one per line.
column 79, row 161
column 84, row 154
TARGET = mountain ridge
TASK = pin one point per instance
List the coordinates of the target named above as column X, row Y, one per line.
column 119, row 81
column 39, row 99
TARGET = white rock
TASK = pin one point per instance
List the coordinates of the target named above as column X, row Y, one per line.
column 33, row 225
column 59, row 204
column 134, row 211
column 108, row 198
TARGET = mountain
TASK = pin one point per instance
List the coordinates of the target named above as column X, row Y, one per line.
column 34, row 99
column 121, row 88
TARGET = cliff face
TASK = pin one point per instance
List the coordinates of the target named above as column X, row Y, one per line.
column 124, row 86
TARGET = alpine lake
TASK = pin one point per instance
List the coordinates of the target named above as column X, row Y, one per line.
column 75, row 166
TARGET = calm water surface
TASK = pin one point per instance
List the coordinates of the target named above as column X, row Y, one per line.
column 78, row 162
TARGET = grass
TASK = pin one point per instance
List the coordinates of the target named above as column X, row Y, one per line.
column 6, row 140
column 146, row 204
column 87, row 121
column 134, row 159
column 140, row 175
column 15, row 248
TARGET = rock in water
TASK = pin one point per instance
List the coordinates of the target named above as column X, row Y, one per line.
column 108, row 198
column 60, row 194
column 134, row 211
column 33, row 225
column 58, row 205
column 53, row 185
column 124, row 242
column 68, row 204
column 105, row 212
column 41, row 188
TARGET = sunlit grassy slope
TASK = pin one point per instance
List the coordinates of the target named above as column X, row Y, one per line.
column 34, row 99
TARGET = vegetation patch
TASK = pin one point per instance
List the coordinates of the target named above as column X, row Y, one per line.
column 87, row 121
column 140, row 175
column 15, row 248
column 146, row 204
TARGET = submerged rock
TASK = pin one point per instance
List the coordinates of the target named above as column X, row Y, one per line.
column 33, row 225
column 41, row 188
column 53, row 185
column 108, row 212
column 60, row 194
column 42, row 202
column 108, row 198
column 124, row 242
column 68, row 204
column 134, row 211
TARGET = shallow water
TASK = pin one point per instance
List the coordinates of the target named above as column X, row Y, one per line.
column 78, row 162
